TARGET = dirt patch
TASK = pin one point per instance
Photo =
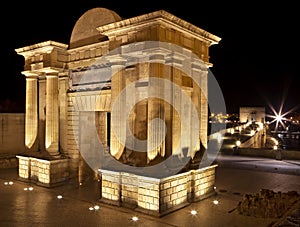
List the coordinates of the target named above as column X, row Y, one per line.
column 267, row 203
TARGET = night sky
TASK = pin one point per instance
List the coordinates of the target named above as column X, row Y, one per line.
column 254, row 63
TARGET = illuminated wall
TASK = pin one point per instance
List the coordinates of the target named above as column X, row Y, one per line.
column 252, row 114
column 63, row 84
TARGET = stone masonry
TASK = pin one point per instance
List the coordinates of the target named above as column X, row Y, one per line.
column 72, row 93
column 156, row 196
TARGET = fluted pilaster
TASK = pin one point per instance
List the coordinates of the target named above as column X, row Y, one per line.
column 31, row 117
column 52, row 115
column 118, row 132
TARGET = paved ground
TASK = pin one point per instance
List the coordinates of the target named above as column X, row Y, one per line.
column 259, row 164
column 235, row 176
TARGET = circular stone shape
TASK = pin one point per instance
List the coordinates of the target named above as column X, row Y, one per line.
column 85, row 29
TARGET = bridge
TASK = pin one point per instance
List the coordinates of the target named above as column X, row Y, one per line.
column 249, row 135
column 287, row 134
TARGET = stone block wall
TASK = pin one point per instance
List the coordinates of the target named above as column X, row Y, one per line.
column 148, row 194
column 204, row 181
column 111, row 186
column 129, row 189
column 79, row 57
column 175, row 191
column 43, row 172
column 12, row 133
column 24, row 167
column 12, row 138
column 156, row 196
column 8, row 162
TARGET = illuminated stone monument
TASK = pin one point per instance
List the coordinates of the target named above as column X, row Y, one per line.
column 114, row 102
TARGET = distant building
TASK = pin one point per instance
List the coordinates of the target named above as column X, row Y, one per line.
column 257, row 114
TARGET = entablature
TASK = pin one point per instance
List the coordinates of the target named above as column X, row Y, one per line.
column 160, row 26
column 47, row 54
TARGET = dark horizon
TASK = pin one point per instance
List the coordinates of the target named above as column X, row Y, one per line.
column 254, row 63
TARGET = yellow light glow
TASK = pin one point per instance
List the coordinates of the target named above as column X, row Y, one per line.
column 134, row 218
column 96, row 207
column 59, row 196
column 10, row 183
column 30, row 188
column 275, row 147
column 238, row 143
column 25, row 189
column 216, row 202
column 91, row 208
column 193, row 212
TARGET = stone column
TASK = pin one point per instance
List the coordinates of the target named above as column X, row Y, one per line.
column 177, row 131
column 196, row 98
column 118, row 115
column 52, row 115
column 204, row 108
column 155, row 133
column 42, row 112
column 63, row 105
column 31, row 117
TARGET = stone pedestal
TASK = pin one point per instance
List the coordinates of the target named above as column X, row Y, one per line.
column 155, row 196
column 43, row 172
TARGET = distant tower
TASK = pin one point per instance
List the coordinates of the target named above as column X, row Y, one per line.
column 250, row 114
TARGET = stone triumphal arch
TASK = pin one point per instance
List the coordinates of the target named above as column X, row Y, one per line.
column 104, row 89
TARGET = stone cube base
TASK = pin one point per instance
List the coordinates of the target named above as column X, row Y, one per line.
column 156, row 196
column 43, row 172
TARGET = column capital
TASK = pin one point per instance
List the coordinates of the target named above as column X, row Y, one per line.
column 50, row 70
column 198, row 65
column 157, row 56
column 63, row 74
column 52, row 74
column 175, row 60
column 117, row 63
column 30, row 74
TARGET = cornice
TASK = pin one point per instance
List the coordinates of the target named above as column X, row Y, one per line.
column 39, row 48
column 161, row 16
